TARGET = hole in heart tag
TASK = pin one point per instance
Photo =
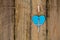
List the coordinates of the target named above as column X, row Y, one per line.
column 38, row 20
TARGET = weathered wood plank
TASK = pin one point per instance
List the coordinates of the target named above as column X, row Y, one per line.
column 23, row 19
column 6, row 20
column 53, row 20
column 35, row 34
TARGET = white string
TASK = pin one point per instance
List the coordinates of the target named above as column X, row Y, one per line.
column 38, row 8
column 39, row 5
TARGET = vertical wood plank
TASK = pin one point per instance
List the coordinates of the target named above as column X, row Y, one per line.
column 42, row 33
column 53, row 20
column 58, row 21
column 6, row 20
column 23, row 19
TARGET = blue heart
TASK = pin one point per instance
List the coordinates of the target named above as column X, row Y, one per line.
column 38, row 19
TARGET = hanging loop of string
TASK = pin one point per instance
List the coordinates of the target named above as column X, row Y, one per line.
column 40, row 8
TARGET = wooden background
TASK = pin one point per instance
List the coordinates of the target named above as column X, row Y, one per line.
column 16, row 24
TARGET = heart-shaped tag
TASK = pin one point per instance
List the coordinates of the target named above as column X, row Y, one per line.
column 38, row 20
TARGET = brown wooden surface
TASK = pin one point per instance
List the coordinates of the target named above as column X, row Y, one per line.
column 18, row 25
column 24, row 30
column 34, row 33
column 23, row 20
column 6, row 20
column 54, row 20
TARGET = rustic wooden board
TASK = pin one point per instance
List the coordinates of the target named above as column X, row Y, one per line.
column 6, row 20
column 23, row 20
column 53, row 20
column 34, row 33
column 25, row 29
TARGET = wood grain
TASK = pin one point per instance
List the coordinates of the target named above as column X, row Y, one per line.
column 23, row 20
column 53, row 20
column 34, row 33
column 6, row 20
column 24, row 11
column 24, row 30
column 20, row 24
